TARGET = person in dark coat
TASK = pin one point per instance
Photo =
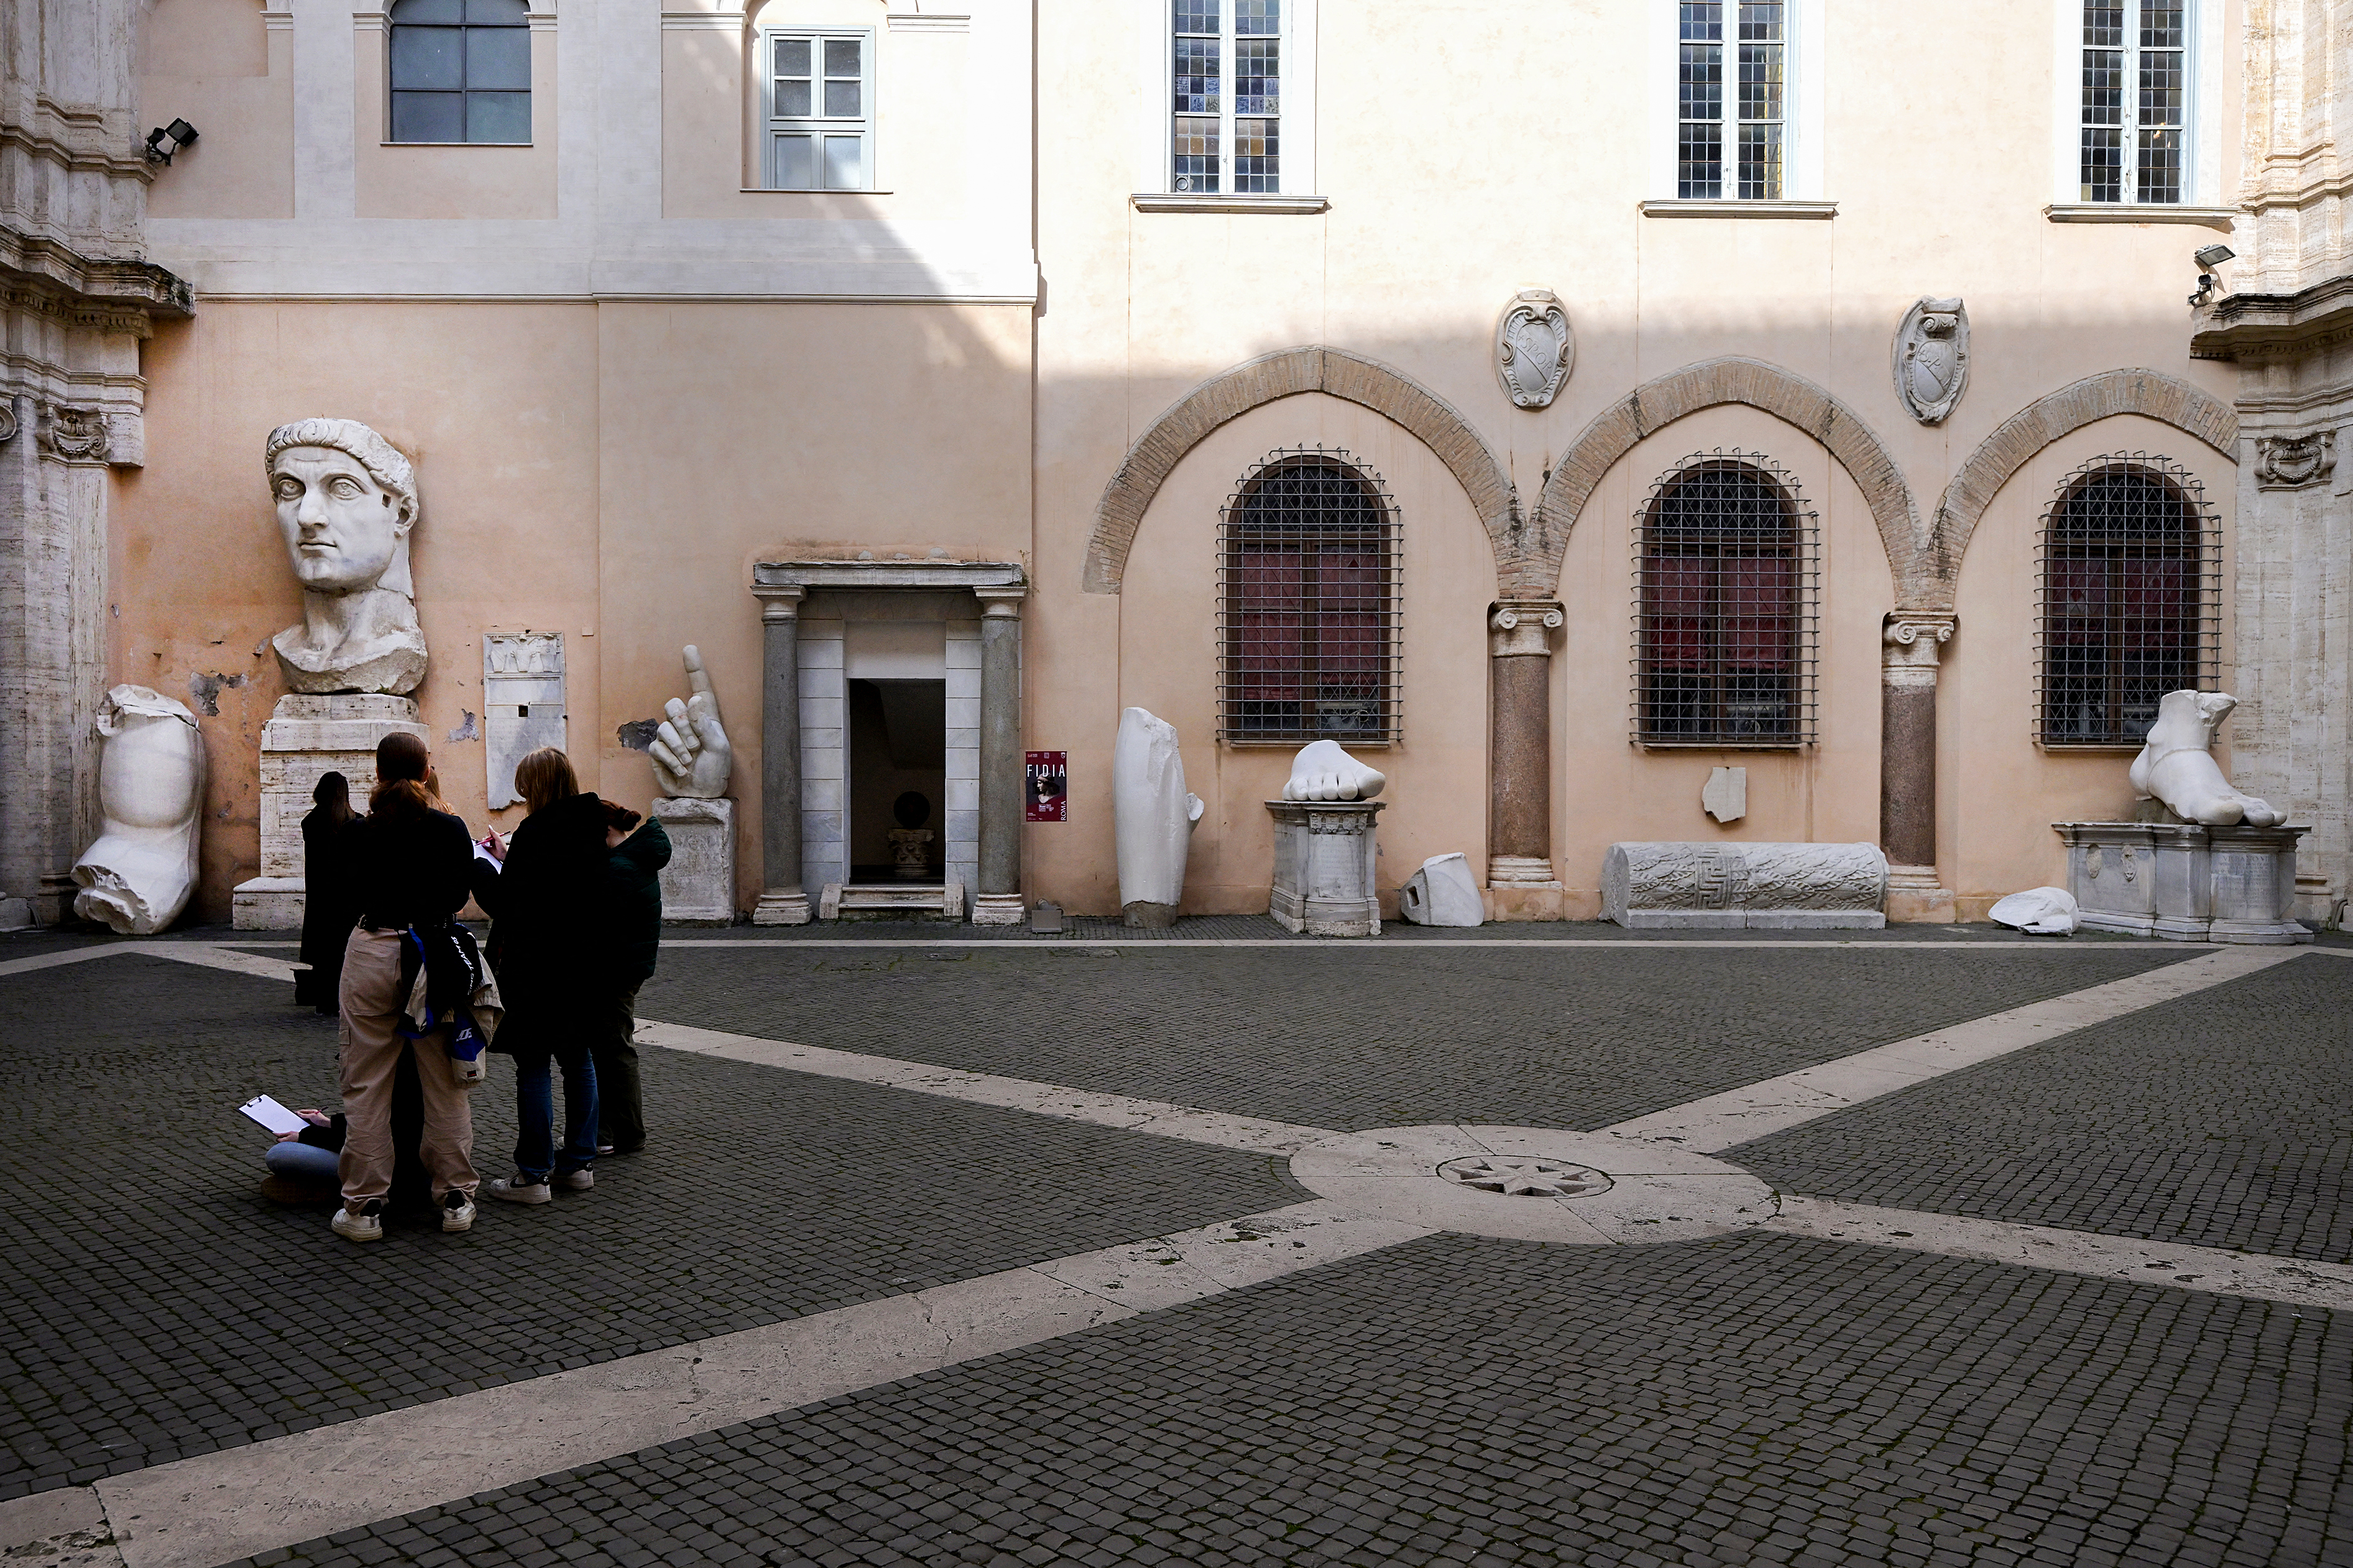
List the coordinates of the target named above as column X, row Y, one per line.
column 330, row 893
column 546, row 947
column 638, row 850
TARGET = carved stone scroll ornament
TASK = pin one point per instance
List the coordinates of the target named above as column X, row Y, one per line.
column 1534, row 348
column 1932, row 359
column 2287, row 462
column 7, row 419
column 75, row 434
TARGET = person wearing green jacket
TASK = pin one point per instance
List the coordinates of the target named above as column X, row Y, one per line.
column 636, row 850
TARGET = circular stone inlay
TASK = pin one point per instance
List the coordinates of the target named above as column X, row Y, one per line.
column 1520, row 1176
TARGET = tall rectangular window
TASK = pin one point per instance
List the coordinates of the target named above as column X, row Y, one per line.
column 1756, row 122
column 1226, row 98
column 2136, row 99
column 820, row 88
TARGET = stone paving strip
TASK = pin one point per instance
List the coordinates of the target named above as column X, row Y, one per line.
column 202, row 1511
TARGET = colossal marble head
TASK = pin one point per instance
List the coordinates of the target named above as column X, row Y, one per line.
column 346, row 500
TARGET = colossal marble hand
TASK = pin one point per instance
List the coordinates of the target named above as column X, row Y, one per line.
column 1323, row 771
column 1153, row 817
column 2178, row 766
column 690, row 753
column 151, row 785
column 345, row 501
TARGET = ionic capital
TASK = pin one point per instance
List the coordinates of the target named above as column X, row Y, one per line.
column 1518, row 629
column 1909, row 645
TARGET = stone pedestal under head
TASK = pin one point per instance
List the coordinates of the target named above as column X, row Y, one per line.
column 346, row 501
column 308, row 736
column 150, row 787
column 1443, row 893
column 1733, row 887
column 1324, row 867
column 2185, row 881
column 698, row 886
column 1153, row 817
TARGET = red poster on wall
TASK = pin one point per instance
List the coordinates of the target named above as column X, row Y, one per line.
column 1046, row 794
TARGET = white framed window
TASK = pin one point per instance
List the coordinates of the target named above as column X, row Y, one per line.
column 817, row 95
column 1737, row 107
column 460, row 71
column 1228, row 96
column 2133, row 112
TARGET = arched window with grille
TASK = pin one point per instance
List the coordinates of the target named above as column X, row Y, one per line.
column 460, row 71
column 2130, row 581
column 1308, row 604
column 1727, row 581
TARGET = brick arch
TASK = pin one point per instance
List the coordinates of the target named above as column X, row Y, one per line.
column 2151, row 394
column 1710, row 384
column 1288, row 372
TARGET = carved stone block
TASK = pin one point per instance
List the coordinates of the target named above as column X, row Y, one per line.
column 1733, row 887
column 2185, row 882
column 1324, row 870
column 1534, row 350
column 1932, row 359
column 307, row 736
column 2287, row 462
column 698, row 886
column 523, row 704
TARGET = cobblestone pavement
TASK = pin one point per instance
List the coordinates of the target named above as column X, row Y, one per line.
column 1750, row 1398
column 1455, row 1400
column 2221, row 1119
column 156, row 1305
column 1356, row 1037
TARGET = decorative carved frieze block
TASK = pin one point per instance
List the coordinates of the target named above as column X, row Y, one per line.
column 1932, row 359
column 2289, row 462
column 74, row 435
column 1735, row 886
column 1534, row 350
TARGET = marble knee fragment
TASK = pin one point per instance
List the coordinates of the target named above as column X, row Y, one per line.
column 2041, row 911
column 1443, row 893
column 151, row 787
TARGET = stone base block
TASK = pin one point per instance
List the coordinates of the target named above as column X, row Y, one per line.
column 16, row 914
column 698, row 886
column 1323, row 871
column 1736, row 886
column 776, row 909
column 998, row 909
column 267, row 903
column 2183, row 882
column 1143, row 914
column 1914, row 897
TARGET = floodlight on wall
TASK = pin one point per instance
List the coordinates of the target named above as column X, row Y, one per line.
column 2209, row 257
column 166, row 140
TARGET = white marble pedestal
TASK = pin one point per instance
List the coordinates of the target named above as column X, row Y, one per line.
column 308, row 737
column 2185, row 882
column 1323, row 874
column 698, row 886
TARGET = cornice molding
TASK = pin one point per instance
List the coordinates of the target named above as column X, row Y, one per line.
column 2252, row 327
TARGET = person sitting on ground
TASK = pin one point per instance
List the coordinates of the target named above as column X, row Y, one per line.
column 545, row 905
column 637, row 849
column 414, row 870
column 303, row 1165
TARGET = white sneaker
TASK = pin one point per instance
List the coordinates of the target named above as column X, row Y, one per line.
column 515, row 1190
column 456, row 1211
column 366, row 1224
column 576, row 1181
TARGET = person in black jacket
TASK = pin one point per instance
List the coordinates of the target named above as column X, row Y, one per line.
column 329, row 905
column 546, row 945
column 411, row 866
column 637, row 849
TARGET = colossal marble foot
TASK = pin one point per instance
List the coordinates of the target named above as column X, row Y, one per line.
column 1323, row 771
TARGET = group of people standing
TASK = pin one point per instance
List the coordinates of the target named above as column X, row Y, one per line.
column 575, row 922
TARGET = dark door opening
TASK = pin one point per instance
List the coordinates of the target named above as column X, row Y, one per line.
column 898, row 771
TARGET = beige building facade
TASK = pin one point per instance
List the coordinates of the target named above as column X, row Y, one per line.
column 1694, row 388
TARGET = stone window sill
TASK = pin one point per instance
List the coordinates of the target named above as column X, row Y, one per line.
column 1211, row 202
column 801, row 191
column 1680, row 208
column 2134, row 212
column 391, row 144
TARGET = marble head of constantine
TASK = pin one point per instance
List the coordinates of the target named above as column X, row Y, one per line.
column 346, row 500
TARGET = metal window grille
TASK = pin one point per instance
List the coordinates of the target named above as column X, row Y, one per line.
column 1308, row 605
column 2135, row 93
column 1759, row 107
column 2129, row 570
column 1728, row 571
column 1221, row 141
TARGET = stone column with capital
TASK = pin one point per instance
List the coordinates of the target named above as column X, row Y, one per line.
column 1909, row 646
column 1521, row 885
column 783, row 900
column 998, row 900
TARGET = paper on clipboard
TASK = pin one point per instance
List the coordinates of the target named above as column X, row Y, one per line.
column 261, row 1107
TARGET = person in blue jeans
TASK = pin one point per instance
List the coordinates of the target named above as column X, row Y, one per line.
column 546, row 903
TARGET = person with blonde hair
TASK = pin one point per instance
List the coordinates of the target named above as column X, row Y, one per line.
column 545, row 945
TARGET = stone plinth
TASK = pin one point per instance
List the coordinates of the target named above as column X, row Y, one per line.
column 307, row 737
column 698, row 886
column 2185, row 882
column 1735, row 887
column 1324, row 876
